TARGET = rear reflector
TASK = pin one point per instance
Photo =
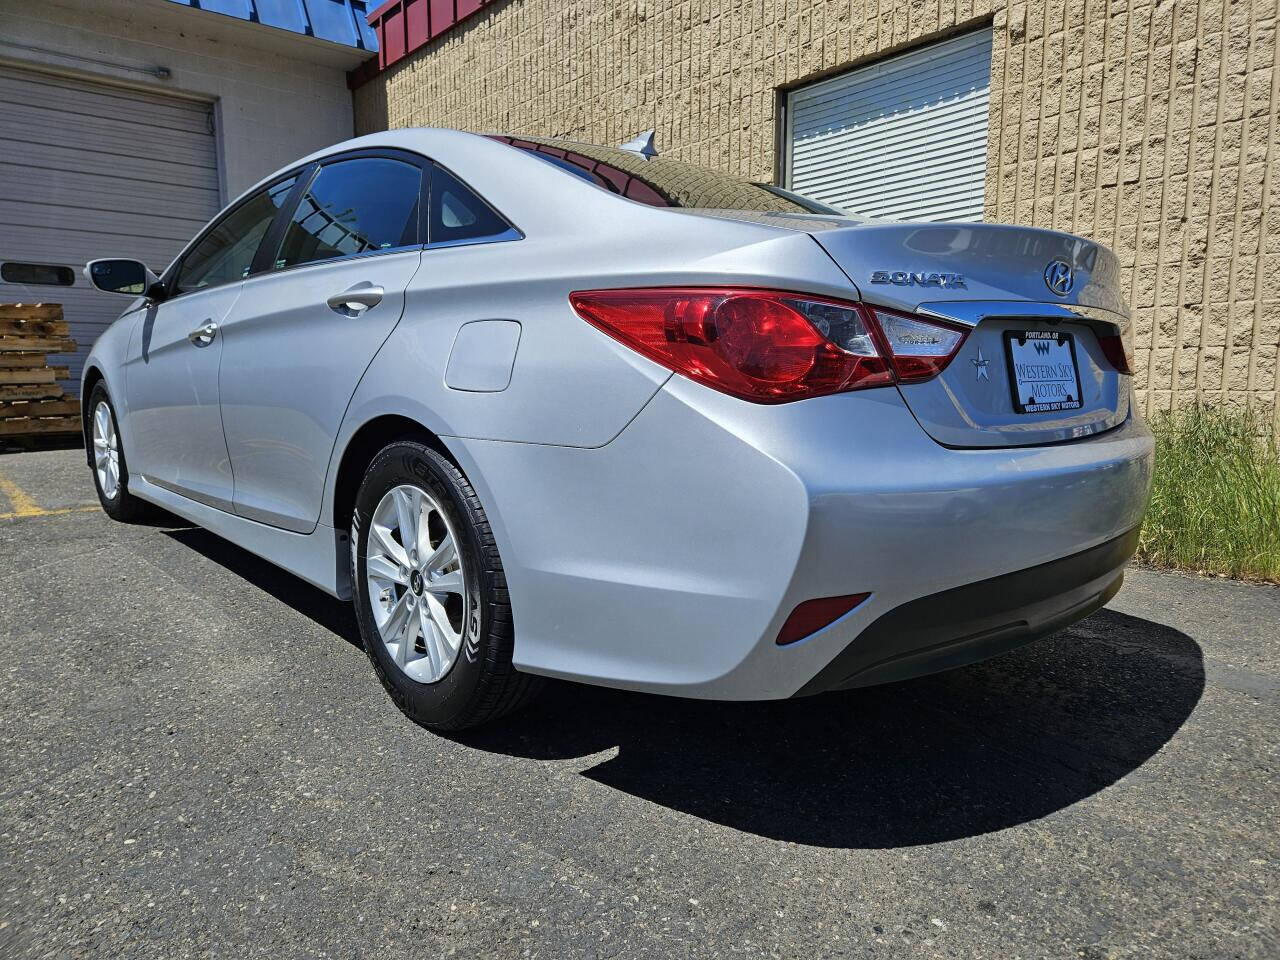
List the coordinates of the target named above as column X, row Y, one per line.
column 770, row 346
column 812, row 615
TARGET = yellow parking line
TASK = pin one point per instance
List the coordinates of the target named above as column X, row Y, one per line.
column 24, row 506
column 19, row 499
column 57, row 511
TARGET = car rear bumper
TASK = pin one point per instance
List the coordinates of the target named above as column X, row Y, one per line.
column 668, row 559
column 978, row 620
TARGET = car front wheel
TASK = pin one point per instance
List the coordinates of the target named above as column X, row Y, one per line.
column 110, row 473
column 430, row 592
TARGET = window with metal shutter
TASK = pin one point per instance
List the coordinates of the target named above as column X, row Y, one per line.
column 905, row 137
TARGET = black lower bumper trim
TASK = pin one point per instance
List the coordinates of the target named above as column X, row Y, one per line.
column 979, row 620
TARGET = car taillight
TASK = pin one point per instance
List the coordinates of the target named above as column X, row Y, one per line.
column 1117, row 353
column 920, row 349
column 769, row 346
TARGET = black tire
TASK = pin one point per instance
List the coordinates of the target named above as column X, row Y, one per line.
column 123, row 506
column 481, row 685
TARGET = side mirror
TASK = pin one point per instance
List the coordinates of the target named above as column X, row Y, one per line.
column 131, row 278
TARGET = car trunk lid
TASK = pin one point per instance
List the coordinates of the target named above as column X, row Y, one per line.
column 1039, row 306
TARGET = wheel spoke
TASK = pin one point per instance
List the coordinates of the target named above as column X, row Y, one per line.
column 421, row 533
column 446, row 583
column 444, row 642
column 384, row 541
column 441, row 619
column 395, row 619
column 384, row 568
column 443, row 555
column 436, row 651
column 407, row 634
column 408, row 506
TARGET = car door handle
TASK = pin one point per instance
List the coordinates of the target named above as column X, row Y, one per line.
column 203, row 335
column 356, row 300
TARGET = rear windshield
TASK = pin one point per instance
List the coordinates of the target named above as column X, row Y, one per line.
column 666, row 183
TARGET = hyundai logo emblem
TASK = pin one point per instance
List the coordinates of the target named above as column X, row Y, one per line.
column 1058, row 277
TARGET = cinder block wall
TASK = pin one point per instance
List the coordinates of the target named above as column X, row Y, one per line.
column 1152, row 127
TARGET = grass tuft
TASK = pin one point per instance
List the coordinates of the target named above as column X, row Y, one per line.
column 1215, row 501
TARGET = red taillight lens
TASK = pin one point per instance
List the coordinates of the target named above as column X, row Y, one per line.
column 765, row 346
column 812, row 615
column 1117, row 354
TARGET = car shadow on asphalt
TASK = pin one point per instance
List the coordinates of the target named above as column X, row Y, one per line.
column 332, row 614
column 939, row 758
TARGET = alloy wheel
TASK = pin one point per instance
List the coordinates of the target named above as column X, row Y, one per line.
column 106, row 451
column 417, row 584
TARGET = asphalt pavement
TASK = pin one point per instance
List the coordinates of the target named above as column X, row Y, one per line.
column 196, row 760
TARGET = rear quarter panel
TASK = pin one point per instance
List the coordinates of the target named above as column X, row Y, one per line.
column 570, row 385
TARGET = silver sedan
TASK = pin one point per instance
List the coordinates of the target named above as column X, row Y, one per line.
column 543, row 408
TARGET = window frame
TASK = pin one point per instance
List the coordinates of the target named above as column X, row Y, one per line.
column 171, row 273
column 511, row 233
column 263, row 258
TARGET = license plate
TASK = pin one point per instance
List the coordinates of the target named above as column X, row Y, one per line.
column 1042, row 371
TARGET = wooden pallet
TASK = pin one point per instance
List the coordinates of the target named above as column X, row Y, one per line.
column 31, row 400
column 39, row 416
column 30, row 391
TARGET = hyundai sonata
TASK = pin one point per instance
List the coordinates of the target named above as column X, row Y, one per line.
column 542, row 408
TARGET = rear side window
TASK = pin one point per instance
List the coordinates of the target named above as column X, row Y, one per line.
column 354, row 206
column 582, row 173
column 226, row 251
column 457, row 214
column 663, row 182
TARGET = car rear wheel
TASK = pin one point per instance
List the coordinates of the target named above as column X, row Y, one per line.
column 430, row 592
column 110, row 473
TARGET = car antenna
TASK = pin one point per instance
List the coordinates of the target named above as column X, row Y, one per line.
column 642, row 144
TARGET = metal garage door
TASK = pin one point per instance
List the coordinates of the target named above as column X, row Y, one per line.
column 905, row 137
column 90, row 170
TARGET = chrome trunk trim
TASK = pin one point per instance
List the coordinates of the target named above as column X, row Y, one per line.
column 970, row 313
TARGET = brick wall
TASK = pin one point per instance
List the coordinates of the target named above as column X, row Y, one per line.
column 1152, row 127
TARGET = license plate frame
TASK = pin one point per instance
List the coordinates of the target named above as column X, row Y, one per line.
column 1019, row 342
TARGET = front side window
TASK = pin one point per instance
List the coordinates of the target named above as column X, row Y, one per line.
column 458, row 215
column 226, row 252
column 354, row 206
